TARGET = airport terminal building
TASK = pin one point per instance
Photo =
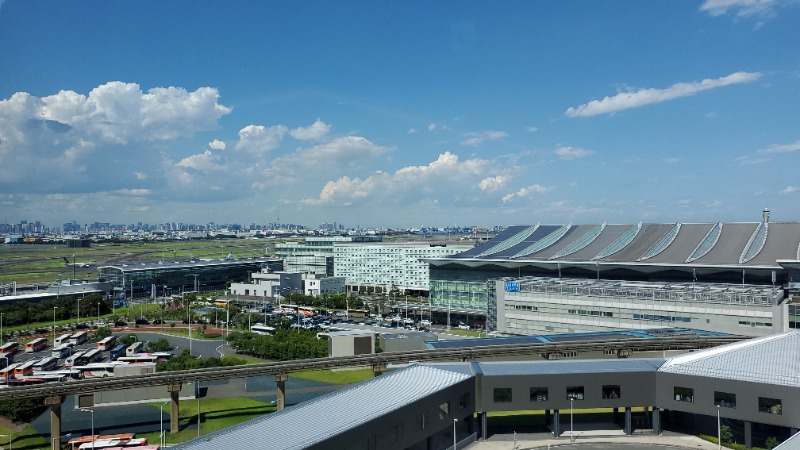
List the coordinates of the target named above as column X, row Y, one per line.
column 740, row 278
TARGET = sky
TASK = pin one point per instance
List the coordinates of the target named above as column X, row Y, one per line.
column 399, row 114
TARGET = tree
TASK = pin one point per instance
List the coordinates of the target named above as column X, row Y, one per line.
column 771, row 442
column 128, row 340
column 726, row 434
column 102, row 332
column 161, row 345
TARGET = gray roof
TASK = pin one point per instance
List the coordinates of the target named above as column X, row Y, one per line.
column 770, row 359
column 744, row 245
column 793, row 443
column 365, row 401
column 563, row 367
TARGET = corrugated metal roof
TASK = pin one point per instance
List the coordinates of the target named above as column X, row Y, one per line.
column 771, row 359
column 562, row 367
column 365, row 401
column 793, row 443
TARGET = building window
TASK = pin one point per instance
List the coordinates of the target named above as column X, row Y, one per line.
column 444, row 410
column 725, row 399
column 770, row 405
column 684, row 394
column 463, row 401
column 574, row 392
column 611, row 391
column 571, row 354
column 538, row 394
column 502, row 395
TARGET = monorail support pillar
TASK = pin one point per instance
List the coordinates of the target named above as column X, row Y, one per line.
column 54, row 402
column 379, row 368
column 174, row 395
column 656, row 420
column 556, row 423
column 628, row 421
column 748, row 434
column 280, row 400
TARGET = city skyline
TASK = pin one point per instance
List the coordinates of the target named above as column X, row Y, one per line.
column 381, row 114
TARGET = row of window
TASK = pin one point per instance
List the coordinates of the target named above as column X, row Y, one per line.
column 541, row 394
column 583, row 312
column 728, row 400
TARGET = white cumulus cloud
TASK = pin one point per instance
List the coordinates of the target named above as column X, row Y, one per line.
column 782, row 148
column 649, row 96
column 569, row 153
column 475, row 139
column 493, row 183
column 258, row 139
column 526, row 192
column 789, row 190
column 313, row 132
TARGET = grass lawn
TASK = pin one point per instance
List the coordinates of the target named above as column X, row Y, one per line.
column 28, row 439
column 215, row 414
column 336, row 377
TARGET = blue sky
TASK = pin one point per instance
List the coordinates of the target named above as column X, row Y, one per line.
column 399, row 113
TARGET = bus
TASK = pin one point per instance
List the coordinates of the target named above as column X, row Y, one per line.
column 62, row 351
column 75, row 443
column 146, row 358
column 262, row 329
column 286, row 308
column 23, row 369
column 106, row 344
column 221, row 303
column 45, row 364
column 79, row 337
column 6, row 359
column 71, row 361
column 10, row 347
column 8, row 372
column 36, row 345
column 358, row 313
column 307, row 311
column 117, row 351
column 115, row 369
column 63, row 339
column 115, row 444
column 135, row 348
column 68, row 374
column 90, row 356
column 44, row 378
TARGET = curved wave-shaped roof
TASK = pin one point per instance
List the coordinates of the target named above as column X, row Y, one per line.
column 783, row 241
column 646, row 237
column 708, row 242
column 510, row 242
column 689, row 237
column 501, row 236
column 663, row 242
column 755, row 244
column 584, row 240
column 728, row 248
column 620, row 243
column 545, row 242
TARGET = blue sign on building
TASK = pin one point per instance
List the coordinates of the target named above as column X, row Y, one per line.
column 512, row 286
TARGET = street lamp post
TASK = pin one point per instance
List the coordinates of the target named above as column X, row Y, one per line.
column 571, row 429
column 2, row 337
column 161, row 415
column 98, row 314
column 90, row 411
column 79, row 310
column 719, row 430
column 455, row 442
column 54, row 325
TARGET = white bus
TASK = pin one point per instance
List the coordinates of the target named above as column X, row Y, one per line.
column 106, row 344
column 91, row 356
column 62, row 351
column 36, row 345
column 69, row 374
column 114, row 369
column 79, row 337
column 262, row 329
column 45, row 364
column 146, row 358
column 71, row 360
column 134, row 348
column 63, row 339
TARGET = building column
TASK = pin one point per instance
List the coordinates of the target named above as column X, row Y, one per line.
column 379, row 368
column 174, row 410
column 748, row 435
column 484, row 426
column 615, row 416
column 656, row 420
column 556, row 423
column 54, row 402
column 280, row 400
column 628, row 424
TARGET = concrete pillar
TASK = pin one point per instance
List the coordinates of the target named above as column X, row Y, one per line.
column 628, row 424
column 174, row 410
column 748, row 435
column 615, row 415
column 379, row 368
column 656, row 420
column 54, row 402
column 280, row 401
column 484, row 426
column 556, row 423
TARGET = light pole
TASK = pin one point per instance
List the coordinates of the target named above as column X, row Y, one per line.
column 571, row 430
column 79, row 309
column 197, row 386
column 54, row 325
column 161, row 415
column 455, row 442
column 1, row 329
column 719, row 430
column 90, row 411
column 98, row 314
column 189, row 316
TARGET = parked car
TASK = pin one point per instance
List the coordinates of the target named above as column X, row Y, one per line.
column 463, row 326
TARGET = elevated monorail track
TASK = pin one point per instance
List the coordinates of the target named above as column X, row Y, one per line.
column 377, row 360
